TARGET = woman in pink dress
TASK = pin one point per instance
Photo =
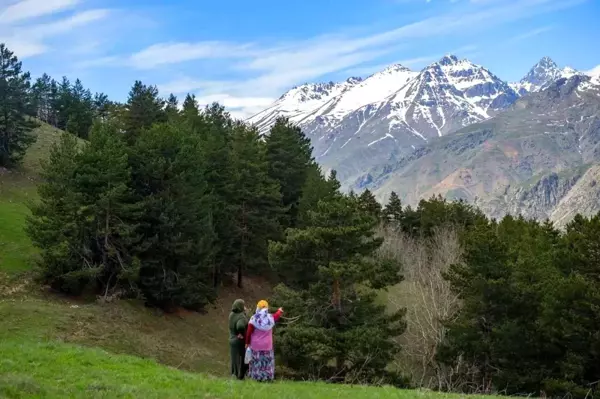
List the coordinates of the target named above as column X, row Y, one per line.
column 259, row 338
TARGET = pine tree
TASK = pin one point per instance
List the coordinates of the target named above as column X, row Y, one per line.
column 63, row 103
column 172, row 108
column 101, row 106
column 214, row 128
column 508, row 271
column 53, row 102
column 316, row 188
column 81, row 111
column 103, row 179
column 190, row 106
column 368, row 203
column 392, row 213
column 255, row 203
column 42, row 98
column 176, row 255
column 342, row 332
column 143, row 109
column 290, row 156
column 332, row 178
column 53, row 226
column 85, row 222
column 15, row 108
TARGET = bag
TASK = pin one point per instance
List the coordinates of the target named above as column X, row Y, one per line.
column 248, row 356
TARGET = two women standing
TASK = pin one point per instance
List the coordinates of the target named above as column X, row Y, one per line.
column 257, row 334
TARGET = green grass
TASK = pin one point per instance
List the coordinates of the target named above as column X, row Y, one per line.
column 56, row 370
column 16, row 251
column 186, row 340
column 17, row 188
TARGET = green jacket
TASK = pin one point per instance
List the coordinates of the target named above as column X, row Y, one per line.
column 238, row 322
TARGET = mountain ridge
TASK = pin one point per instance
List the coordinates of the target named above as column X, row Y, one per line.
column 389, row 113
column 376, row 132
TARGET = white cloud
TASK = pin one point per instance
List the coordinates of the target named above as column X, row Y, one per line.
column 530, row 34
column 65, row 25
column 174, row 53
column 265, row 70
column 184, row 85
column 27, row 9
column 27, row 38
column 235, row 102
column 24, row 49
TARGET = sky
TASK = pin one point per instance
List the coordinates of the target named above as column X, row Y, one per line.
column 245, row 54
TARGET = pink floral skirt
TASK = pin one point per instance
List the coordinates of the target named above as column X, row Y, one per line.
column 262, row 366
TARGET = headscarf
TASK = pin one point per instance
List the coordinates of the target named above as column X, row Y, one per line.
column 238, row 306
column 262, row 319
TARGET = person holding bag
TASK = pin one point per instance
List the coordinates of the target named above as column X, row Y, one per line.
column 259, row 341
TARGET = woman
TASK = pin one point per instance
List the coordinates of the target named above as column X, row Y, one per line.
column 238, row 323
column 259, row 337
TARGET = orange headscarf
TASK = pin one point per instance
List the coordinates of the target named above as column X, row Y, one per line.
column 262, row 304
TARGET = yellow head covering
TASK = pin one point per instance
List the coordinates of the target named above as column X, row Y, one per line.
column 262, row 304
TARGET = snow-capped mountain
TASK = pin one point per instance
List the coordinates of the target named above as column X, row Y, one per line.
column 300, row 103
column 332, row 101
column 542, row 75
column 356, row 124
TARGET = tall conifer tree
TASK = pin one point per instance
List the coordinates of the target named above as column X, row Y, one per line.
column 15, row 108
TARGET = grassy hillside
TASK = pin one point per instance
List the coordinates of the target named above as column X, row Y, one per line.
column 16, row 189
column 44, row 370
column 190, row 341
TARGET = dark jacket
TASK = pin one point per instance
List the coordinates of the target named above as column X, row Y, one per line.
column 238, row 322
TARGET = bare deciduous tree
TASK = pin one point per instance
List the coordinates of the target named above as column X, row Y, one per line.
column 428, row 300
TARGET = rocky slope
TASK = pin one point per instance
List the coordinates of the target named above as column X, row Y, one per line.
column 538, row 158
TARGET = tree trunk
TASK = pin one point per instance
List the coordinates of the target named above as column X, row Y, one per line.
column 337, row 296
column 242, row 247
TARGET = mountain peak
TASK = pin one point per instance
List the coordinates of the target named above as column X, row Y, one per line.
column 448, row 59
column 354, row 79
column 542, row 73
column 547, row 62
column 393, row 68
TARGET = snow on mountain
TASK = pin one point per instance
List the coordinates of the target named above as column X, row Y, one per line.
column 332, row 101
column 357, row 125
column 594, row 74
column 447, row 95
column 594, row 71
column 301, row 103
column 544, row 73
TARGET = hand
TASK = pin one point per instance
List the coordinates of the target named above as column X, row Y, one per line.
column 240, row 336
column 281, row 310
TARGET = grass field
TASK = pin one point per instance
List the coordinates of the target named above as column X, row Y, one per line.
column 17, row 188
column 185, row 340
column 54, row 370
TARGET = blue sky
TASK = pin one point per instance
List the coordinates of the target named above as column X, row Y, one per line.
column 245, row 54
